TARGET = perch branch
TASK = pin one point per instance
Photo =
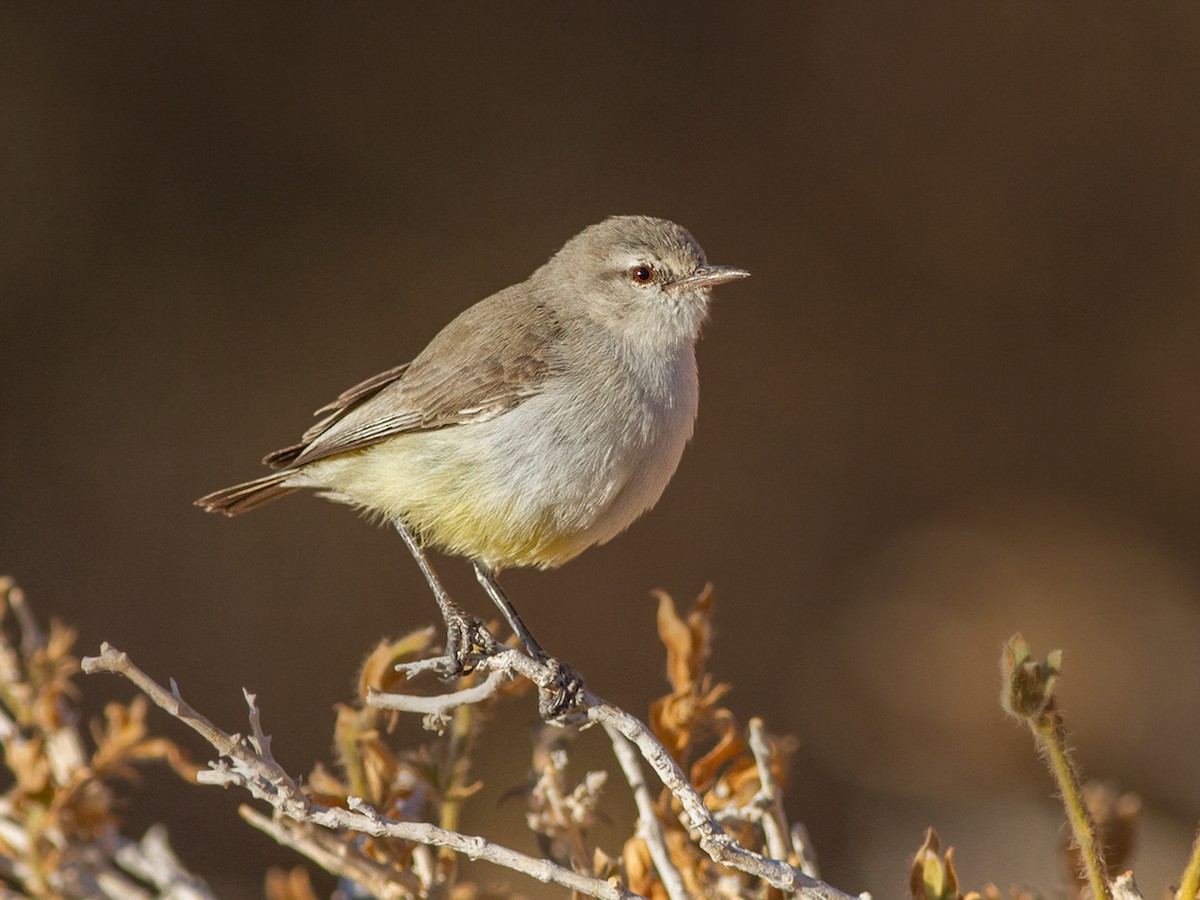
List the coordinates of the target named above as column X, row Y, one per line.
column 712, row 838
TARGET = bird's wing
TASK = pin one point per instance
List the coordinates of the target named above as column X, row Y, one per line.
column 480, row 366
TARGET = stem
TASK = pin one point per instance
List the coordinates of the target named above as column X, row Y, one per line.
column 1052, row 739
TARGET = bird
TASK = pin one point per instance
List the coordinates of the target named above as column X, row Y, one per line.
column 541, row 421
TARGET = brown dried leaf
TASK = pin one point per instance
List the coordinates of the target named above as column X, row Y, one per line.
column 86, row 809
column 473, row 891
column 326, row 788
column 124, row 727
column 677, row 638
column 166, row 750
column 687, row 642
column 59, row 644
column 380, row 768
column 379, row 668
column 122, row 741
column 671, row 720
column 26, row 759
column 705, row 770
column 639, row 869
column 697, row 869
column 50, row 669
column 293, row 884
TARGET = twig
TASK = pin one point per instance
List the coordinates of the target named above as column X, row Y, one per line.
column 802, row 846
column 560, row 814
column 265, row 779
column 649, row 827
column 330, row 854
column 152, row 860
column 440, row 704
column 774, row 825
column 32, row 638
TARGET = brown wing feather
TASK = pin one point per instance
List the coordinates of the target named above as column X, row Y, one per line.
column 346, row 401
column 478, row 366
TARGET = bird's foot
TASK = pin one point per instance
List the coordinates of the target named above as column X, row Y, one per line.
column 467, row 643
column 562, row 697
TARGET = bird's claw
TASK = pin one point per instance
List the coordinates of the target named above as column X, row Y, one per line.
column 467, row 642
column 563, row 695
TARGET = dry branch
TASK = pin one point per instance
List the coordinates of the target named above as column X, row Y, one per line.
column 251, row 766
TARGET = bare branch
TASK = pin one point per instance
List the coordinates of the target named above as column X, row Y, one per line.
column 152, row 860
column 330, row 854
column 649, row 828
column 802, row 846
column 440, row 704
column 265, row 779
column 774, row 825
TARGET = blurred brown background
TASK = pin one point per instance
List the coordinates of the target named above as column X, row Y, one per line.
column 957, row 399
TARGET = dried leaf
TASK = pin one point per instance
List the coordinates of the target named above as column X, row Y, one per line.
column 639, row 869
column 677, row 638
column 379, row 668
column 687, row 642
column 292, row 884
column 325, row 787
column 26, row 758
column 705, row 770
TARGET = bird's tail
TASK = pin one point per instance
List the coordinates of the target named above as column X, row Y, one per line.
column 242, row 498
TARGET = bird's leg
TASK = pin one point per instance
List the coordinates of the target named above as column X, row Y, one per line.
column 567, row 688
column 466, row 636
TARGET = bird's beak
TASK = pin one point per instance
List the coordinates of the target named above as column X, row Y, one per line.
column 707, row 276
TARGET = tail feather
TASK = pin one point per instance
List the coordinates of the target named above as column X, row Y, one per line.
column 242, row 498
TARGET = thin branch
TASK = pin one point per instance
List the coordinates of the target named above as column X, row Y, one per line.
column 802, row 846
column 649, row 828
column 152, row 860
column 32, row 638
column 440, row 704
column 774, row 825
column 330, row 854
column 265, row 779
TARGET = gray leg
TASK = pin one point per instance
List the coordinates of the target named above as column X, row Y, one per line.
column 487, row 578
column 466, row 636
column 566, row 690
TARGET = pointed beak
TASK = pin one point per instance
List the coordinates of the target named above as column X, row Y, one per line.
column 707, row 276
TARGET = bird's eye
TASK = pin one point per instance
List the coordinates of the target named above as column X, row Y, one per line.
column 642, row 274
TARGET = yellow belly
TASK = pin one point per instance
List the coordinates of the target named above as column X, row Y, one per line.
column 448, row 498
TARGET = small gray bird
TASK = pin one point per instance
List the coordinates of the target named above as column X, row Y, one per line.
column 539, row 422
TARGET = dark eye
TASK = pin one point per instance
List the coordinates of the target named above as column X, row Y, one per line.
column 642, row 274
